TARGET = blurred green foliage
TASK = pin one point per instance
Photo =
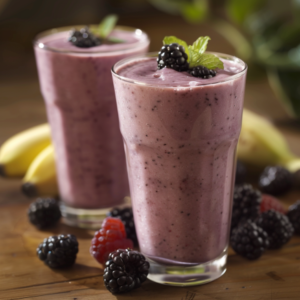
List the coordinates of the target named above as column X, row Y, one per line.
column 193, row 11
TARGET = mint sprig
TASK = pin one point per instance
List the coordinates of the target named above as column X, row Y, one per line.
column 208, row 60
column 200, row 44
column 196, row 52
column 105, row 27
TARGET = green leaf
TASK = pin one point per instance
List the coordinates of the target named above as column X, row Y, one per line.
column 196, row 11
column 199, row 58
column 107, row 25
column 200, row 45
column 207, row 60
column 240, row 10
column 173, row 39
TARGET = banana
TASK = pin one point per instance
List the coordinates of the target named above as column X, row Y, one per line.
column 18, row 152
column 261, row 144
column 40, row 178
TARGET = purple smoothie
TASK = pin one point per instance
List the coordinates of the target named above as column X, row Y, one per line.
column 180, row 135
column 78, row 91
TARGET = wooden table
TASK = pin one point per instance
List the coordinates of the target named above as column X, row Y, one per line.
column 22, row 276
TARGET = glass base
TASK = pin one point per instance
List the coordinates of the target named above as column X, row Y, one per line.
column 87, row 218
column 186, row 274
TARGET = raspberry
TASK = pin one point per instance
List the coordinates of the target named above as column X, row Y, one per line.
column 269, row 202
column 110, row 237
column 126, row 216
column 125, row 270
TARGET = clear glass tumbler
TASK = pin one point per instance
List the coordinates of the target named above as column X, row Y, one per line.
column 180, row 141
column 78, row 91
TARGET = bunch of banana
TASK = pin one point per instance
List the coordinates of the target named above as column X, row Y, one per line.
column 30, row 155
column 261, row 144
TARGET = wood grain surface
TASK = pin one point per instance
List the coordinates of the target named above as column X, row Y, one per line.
column 276, row 276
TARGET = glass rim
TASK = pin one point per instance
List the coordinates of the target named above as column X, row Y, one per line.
column 154, row 54
column 37, row 43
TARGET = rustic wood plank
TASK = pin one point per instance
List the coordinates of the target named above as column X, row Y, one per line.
column 22, row 276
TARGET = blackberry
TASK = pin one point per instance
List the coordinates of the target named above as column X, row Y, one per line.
column 83, row 38
column 58, row 251
column 125, row 270
column 126, row 217
column 294, row 216
column 249, row 240
column 275, row 180
column 44, row 212
column 172, row 56
column 202, row 72
column 246, row 203
column 240, row 174
column 277, row 226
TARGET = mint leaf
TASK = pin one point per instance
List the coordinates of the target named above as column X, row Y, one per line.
column 173, row 39
column 198, row 57
column 106, row 26
column 207, row 60
column 200, row 45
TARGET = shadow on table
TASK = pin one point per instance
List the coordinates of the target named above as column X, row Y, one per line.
column 62, row 228
column 82, row 275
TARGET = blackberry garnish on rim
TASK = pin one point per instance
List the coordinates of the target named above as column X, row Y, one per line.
column 202, row 72
column 83, row 38
column 177, row 55
column 86, row 37
column 172, row 56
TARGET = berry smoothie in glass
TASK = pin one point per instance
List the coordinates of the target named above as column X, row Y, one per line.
column 180, row 124
column 74, row 72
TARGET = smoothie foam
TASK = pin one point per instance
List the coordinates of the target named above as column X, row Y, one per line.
column 180, row 136
column 78, row 91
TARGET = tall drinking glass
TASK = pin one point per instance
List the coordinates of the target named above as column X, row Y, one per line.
column 180, row 135
column 78, row 91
